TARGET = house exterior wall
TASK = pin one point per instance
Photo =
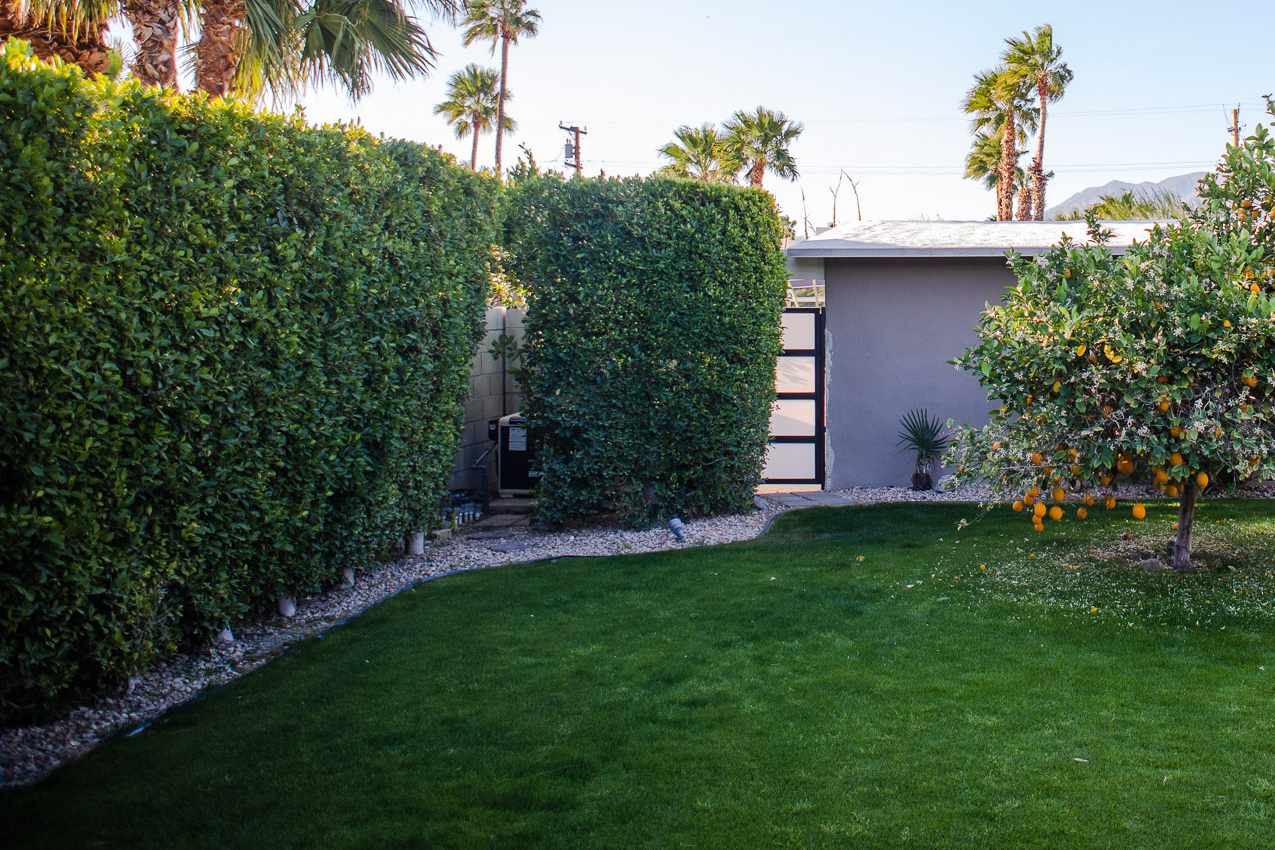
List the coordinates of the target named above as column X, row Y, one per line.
column 892, row 326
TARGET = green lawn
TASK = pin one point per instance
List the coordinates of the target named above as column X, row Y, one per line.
column 853, row 679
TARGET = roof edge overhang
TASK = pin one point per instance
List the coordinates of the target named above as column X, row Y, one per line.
column 830, row 253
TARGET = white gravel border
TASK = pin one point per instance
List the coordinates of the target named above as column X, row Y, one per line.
column 28, row 753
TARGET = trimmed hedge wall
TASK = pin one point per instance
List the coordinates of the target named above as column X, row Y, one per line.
column 233, row 351
column 652, row 330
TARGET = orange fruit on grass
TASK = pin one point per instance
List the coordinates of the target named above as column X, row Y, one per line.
column 1139, row 511
column 1111, row 503
column 1082, row 513
column 1056, row 513
column 1018, row 507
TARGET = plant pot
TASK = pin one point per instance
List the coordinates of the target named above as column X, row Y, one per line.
column 922, row 481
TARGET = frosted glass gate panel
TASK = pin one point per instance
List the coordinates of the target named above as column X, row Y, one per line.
column 795, row 452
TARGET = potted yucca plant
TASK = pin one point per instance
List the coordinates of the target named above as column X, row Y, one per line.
column 923, row 436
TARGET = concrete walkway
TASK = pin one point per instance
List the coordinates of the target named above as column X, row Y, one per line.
column 805, row 499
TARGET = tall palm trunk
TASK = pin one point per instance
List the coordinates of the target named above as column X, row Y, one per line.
column 473, row 129
column 1005, row 183
column 500, row 102
column 89, row 50
column 1024, row 202
column 218, row 52
column 1038, row 162
column 155, row 31
column 757, row 172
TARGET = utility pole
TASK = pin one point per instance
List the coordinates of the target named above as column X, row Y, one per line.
column 573, row 157
column 1235, row 126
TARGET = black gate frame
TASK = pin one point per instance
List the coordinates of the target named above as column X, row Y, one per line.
column 818, row 396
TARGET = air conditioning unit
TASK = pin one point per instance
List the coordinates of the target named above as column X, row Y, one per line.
column 515, row 454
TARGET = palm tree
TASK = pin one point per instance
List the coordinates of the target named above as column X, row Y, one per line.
column 700, row 153
column 472, row 103
column 1038, row 60
column 74, row 32
column 983, row 162
column 501, row 22
column 1130, row 207
column 760, row 140
column 998, row 101
column 247, row 46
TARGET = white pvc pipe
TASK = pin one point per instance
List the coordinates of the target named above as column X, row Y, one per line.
column 417, row 544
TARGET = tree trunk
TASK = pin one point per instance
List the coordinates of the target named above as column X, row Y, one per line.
column 1024, row 202
column 473, row 154
column 218, row 52
column 1038, row 163
column 1005, row 182
column 757, row 173
column 89, row 51
column 1186, row 519
column 500, row 103
column 155, row 31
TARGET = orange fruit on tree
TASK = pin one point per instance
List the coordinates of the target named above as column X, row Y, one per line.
column 1089, row 500
column 1164, row 405
column 1080, row 350
column 1202, row 480
column 1249, row 379
column 1172, row 491
column 1059, row 494
column 1039, row 509
column 1125, row 466
column 1176, row 459
column 1039, row 526
column 1139, row 511
column 1038, row 458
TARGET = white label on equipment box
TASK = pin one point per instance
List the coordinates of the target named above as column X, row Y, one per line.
column 517, row 439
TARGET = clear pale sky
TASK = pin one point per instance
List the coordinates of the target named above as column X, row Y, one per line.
column 877, row 85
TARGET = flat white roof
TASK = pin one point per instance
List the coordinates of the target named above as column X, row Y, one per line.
column 956, row 238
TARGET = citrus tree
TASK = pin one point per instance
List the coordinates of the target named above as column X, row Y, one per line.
column 1157, row 366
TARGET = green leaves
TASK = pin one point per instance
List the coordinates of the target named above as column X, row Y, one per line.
column 222, row 393
column 1163, row 353
column 652, row 333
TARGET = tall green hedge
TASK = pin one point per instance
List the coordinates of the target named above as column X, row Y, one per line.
column 233, row 350
column 652, row 332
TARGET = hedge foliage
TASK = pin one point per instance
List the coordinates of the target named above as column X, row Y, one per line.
column 652, row 332
column 233, row 351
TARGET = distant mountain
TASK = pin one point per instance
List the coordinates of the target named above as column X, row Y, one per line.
column 1183, row 185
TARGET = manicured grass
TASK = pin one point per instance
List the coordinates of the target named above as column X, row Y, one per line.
column 854, row 679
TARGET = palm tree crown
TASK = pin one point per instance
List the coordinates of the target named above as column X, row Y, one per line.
column 761, row 140
column 700, row 153
column 1000, row 106
column 503, row 23
column 1036, row 59
column 472, row 95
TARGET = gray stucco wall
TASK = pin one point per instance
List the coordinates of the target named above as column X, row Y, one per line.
column 892, row 326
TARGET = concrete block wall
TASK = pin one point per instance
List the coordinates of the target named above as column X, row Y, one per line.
column 484, row 401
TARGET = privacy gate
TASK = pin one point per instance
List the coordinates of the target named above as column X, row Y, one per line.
column 795, row 453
